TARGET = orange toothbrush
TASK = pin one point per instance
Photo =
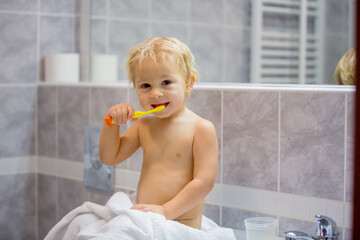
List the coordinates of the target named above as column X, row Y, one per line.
column 137, row 114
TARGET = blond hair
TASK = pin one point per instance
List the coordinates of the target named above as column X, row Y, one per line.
column 156, row 49
column 345, row 69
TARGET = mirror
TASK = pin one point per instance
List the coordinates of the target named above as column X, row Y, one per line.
column 233, row 41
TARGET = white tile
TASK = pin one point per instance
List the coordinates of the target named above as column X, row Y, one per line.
column 126, row 178
column 302, row 207
column 335, row 210
column 61, row 168
column 270, row 202
column 254, row 200
column 242, row 195
column 230, row 196
column 120, row 178
column 133, row 178
column 14, row 165
column 216, row 195
column 286, row 204
column 317, row 206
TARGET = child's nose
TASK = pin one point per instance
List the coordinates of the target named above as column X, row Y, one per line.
column 156, row 93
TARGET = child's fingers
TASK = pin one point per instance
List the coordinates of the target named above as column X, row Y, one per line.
column 116, row 117
column 123, row 115
column 138, row 207
column 131, row 113
column 119, row 116
column 141, row 206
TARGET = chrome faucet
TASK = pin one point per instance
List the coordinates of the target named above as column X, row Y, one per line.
column 296, row 235
column 326, row 230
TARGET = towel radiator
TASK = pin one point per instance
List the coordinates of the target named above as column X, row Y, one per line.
column 287, row 54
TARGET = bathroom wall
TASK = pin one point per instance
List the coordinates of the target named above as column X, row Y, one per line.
column 217, row 31
column 222, row 26
column 29, row 30
column 284, row 152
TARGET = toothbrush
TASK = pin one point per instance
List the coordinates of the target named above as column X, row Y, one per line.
column 137, row 114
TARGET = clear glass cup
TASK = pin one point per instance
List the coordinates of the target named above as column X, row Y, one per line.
column 264, row 228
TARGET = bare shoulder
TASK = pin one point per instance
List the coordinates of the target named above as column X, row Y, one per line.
column 204, row 127
column 201, row 125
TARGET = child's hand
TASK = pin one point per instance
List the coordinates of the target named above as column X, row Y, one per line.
column 150, row 208
column 121, row 113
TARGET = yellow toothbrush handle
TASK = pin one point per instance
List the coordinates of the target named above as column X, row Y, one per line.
column 138, row 114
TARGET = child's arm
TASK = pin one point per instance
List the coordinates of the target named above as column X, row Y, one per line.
column 205, row 150
column 113, row 148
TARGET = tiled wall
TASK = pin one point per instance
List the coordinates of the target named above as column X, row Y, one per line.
column 278, row 146
column 222, row 26
column 30, row 29
column 118, row 25
column 282, row 153
column 217, row 31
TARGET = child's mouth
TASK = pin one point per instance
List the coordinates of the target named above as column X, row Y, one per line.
column 159, row 104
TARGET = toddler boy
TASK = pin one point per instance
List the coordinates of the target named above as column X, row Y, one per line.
column 180, row 148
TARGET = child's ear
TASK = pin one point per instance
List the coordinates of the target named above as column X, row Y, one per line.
column 190, row 84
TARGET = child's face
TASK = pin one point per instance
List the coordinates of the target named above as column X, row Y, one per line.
column 161, row 83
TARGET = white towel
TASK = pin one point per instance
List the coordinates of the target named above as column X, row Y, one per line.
column 116, row 220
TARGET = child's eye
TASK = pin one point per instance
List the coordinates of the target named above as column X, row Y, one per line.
column 145, row 85
column 166, row 82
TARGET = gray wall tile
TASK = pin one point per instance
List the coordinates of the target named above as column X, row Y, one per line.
column 131, row 34
column 47, row 189
column 97, row 196
column 19, row 5
column 78, row 193
column 73, row 116
column 210, row 62
column 250, row 139
column 207, row 104
column 18, row 207
column 237, row 12
column 58, row 35
column 98, row 36
column 234, row 218
column 17, row 121
column 336, row 45
column 237, row 55
column 70, row 189
column 46, row 121
column 212, row 212
column 312, row 144
column 129, row 9
column 350, row 147
column 175, row 10
column 64, row 6
column 210, row 11
column 177, row 31
column 336, row 16
column 98, row 7
column 18, row 66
